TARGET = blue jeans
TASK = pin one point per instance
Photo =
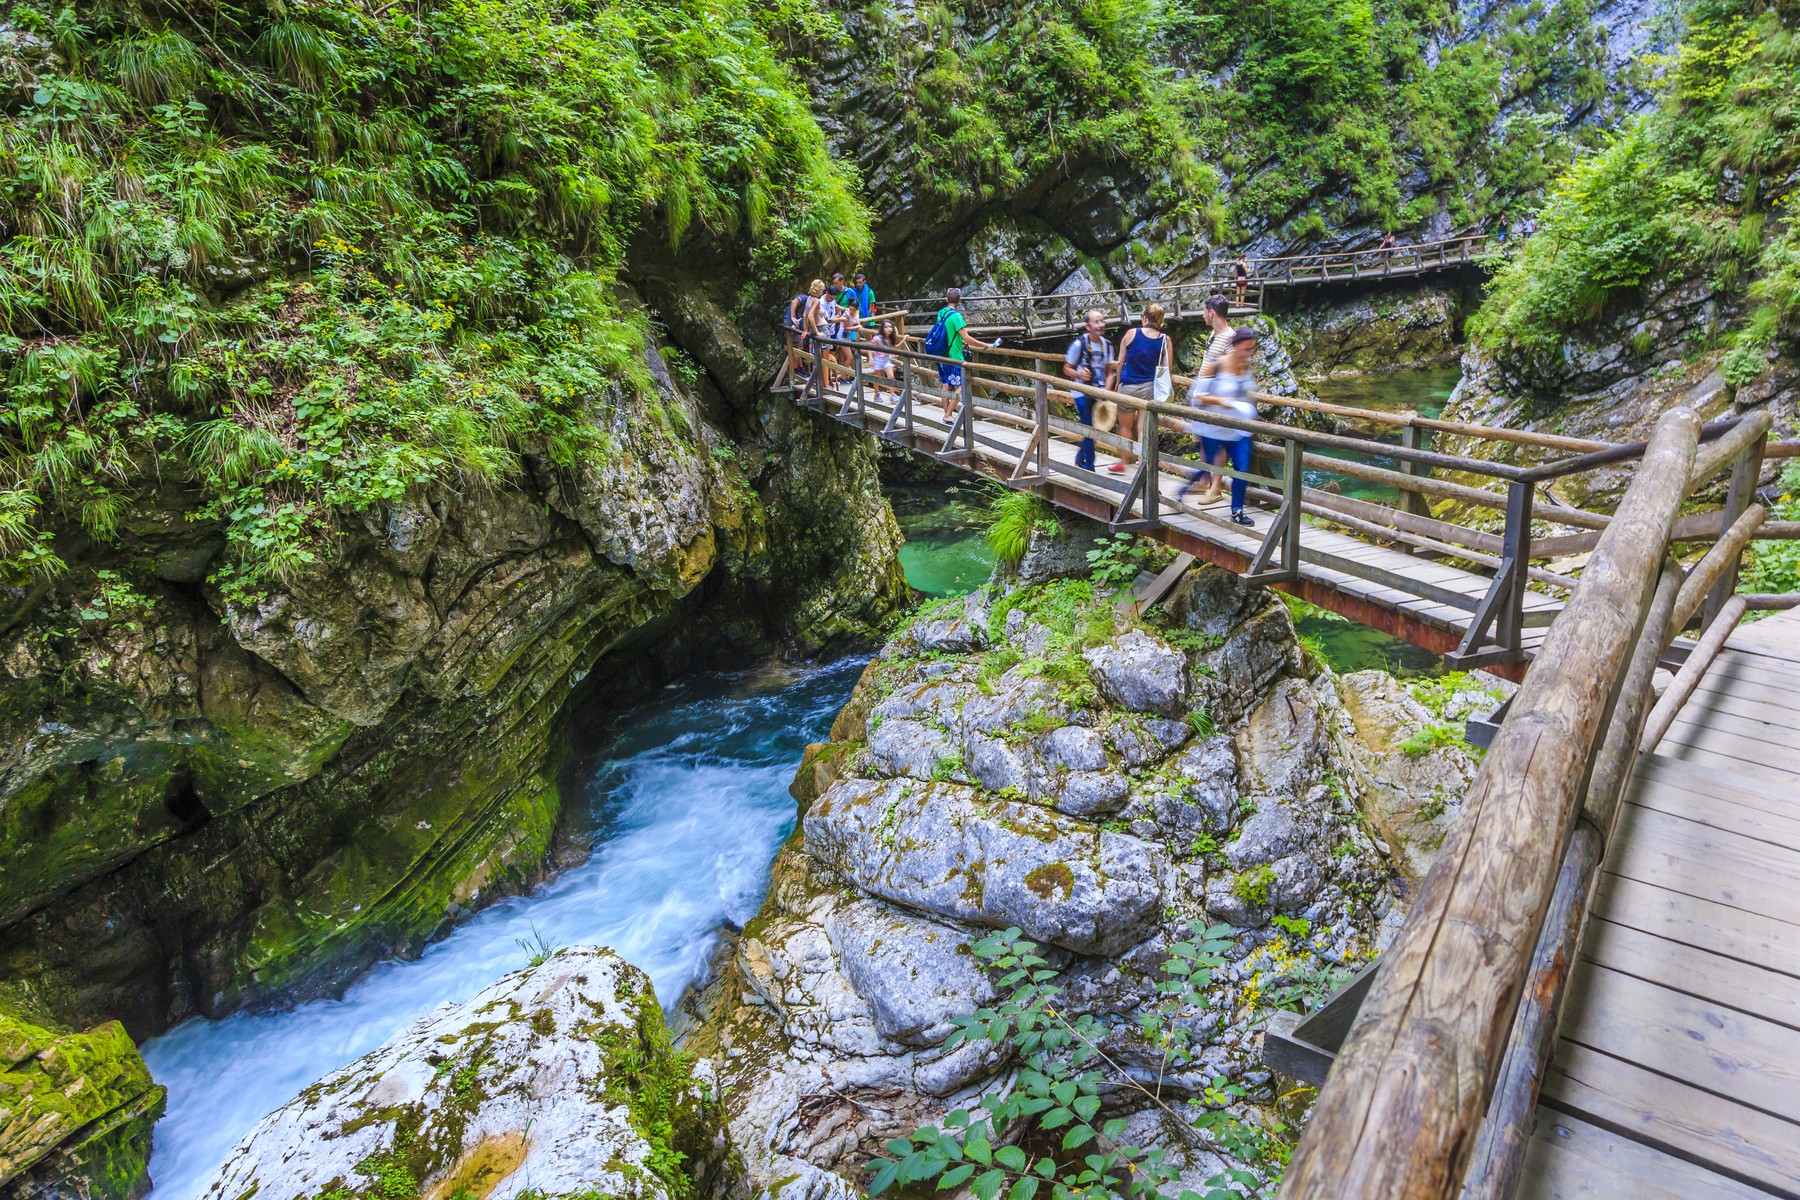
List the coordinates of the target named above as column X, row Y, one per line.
column 1237, row 453
column 1084, row 412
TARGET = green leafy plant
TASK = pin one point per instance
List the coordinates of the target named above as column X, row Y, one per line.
column 1044, row 1134
column 537, row 947
column 1012, row 518
column 1774, row 566
column 1114, row 562
column 1201, row 722
column 1432, row 737
column 1254, row 885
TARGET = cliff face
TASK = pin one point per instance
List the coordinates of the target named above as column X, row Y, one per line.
column 210, row 802
column 1022, row 145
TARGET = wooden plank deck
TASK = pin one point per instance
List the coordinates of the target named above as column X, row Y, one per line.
column 1678, row 1069
column 1430, row 602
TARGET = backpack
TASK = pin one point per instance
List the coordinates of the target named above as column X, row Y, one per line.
column 937, row 342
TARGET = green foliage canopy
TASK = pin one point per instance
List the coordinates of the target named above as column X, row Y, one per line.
column 310, row 256
column 1702, row 184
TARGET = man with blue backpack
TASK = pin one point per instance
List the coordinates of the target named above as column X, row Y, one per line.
column 946, row 340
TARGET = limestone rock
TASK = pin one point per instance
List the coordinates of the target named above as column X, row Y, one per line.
column 1140, row 672
column 917, row 975
column 1411, row 797
column 939, row 849
column 553, row 1080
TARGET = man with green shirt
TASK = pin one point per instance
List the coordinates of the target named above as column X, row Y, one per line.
column 950, row 374
column 862, row 296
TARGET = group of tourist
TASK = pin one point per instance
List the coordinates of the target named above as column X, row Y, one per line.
column 1143, row 369
column 826, row 317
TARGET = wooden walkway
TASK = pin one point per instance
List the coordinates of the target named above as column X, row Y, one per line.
column 1063, row 313
column 1427, row 602
column 1677, row 1071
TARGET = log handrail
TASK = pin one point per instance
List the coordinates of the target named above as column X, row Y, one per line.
column 1433, row 1093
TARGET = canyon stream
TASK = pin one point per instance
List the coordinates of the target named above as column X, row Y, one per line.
column 684, row 802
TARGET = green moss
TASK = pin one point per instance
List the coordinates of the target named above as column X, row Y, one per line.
column 1051, row 878
column 85, row 1098
column 1253, row 886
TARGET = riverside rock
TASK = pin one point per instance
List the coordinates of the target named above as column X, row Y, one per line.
column 1067, row 806
column 554, row 1081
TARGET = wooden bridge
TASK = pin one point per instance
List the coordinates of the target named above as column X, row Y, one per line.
column 1020, row 315
column 1597, row 989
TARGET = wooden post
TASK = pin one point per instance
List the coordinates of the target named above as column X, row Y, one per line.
column 968, row 411
column 1745, row 471
column 1152, row 473
column 1039, row 445
column 1293, row 482
column 856, row 385
column 1514, row 560
column 1399, row 1114
column 1412, row 502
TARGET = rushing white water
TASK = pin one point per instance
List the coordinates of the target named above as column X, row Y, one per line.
column 687, row 804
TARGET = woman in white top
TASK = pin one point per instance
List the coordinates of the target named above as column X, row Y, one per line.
column 881, row 363
column 1225, row 385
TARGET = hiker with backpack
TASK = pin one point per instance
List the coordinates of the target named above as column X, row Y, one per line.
column 1225, row 385
column 947, row 340
column 1086, row 362
column 1146, row 356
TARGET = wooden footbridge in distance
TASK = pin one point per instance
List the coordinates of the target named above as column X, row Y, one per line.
column 1020, row 315
column 1597, row 989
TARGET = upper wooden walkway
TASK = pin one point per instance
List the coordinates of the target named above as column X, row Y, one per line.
column 1056, row 313
column 1676, row 1072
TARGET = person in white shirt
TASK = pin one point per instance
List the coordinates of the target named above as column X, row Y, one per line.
column 1225, row 385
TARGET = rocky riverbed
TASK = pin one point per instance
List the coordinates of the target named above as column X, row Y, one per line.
column 1028, row 757
column 1024, row 758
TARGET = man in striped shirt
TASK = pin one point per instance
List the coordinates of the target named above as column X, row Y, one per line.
column 1219, row 344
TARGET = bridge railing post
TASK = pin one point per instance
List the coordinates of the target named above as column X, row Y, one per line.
column 1412, row 502
column 1740, row 492
column 856, row 385
column 1152, row 470
column 968, row 411
column 1515, row 562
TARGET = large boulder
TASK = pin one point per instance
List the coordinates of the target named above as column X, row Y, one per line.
column 555, row 1081
column 945, row 849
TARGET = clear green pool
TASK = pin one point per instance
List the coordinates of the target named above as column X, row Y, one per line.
column 946, row 551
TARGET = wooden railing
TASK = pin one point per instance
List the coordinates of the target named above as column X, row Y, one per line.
column 1032, row 315
column 1513, row 557
column 1433, row 1094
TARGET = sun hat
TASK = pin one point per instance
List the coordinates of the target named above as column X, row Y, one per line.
column 1106, row 415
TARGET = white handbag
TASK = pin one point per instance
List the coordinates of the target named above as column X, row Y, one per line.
column 1159, row 390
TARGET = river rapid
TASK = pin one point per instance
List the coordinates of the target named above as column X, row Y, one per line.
column 685, row 805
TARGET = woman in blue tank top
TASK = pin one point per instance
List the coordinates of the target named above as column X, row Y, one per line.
column 1141, row 352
